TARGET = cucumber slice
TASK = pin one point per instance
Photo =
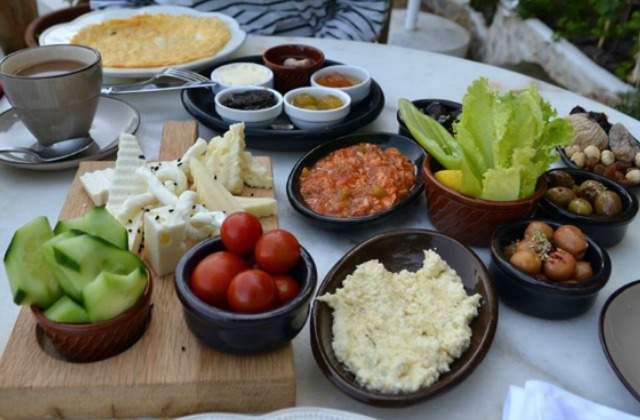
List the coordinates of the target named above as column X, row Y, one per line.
column 67, row 311
column 81, row 258
column 32, row 283
column 98, row 222
column 111, row 294
column 60, row 272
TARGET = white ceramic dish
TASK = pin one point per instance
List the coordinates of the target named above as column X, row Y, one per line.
column 357, row 92
column 113, row 116
column 217, row 76
column 296, row 413
column 252, row 118
column 315, row 119
column 63, row 33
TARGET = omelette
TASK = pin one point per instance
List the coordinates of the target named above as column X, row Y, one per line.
column 155, row 40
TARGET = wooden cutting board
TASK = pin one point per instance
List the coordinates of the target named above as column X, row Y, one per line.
column 167, row 373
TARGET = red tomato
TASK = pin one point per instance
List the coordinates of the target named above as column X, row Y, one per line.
column 288, row 288
column 252, row 291
column 277, row 251
column 211, row 277
column 240, row 232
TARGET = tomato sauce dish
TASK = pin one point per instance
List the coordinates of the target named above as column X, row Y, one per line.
column 356, row 179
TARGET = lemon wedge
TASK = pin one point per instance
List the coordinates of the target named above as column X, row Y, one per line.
column 451, row 178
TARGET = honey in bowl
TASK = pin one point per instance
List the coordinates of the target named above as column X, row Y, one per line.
column 313, row 102
column 337, row 80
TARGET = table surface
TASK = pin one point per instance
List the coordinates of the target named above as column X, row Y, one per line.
column 565, row 353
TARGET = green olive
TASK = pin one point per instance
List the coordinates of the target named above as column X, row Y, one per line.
column 580, row 206
column 561, row 179
column 608, row 203
column 590, row 188
column 560, row 196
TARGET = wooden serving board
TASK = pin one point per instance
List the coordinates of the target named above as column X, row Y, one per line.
column 166, row 373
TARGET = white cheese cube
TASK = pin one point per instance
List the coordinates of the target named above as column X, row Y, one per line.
column 96, row 184
column 164, row 239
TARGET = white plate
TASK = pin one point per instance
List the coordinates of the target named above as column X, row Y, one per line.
column 63, row 33
column 298, row 413
column 113, row 116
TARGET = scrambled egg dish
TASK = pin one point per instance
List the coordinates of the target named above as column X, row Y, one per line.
column 155, row 40
column 398, row 332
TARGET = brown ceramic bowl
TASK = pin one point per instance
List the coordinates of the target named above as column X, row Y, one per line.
column 399, row 250
column 470, row 220
column 287, row 78
column 92, row 342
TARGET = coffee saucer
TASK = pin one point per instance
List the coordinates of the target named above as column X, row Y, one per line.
column 113, row 117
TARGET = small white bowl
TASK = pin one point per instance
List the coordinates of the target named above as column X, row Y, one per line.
column 358, row 91
column 314, row 119
column 253, row 117
column 218, row 76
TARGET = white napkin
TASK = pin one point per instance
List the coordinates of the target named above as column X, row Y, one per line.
column 543, row 401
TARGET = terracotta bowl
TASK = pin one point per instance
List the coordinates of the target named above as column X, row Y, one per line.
column 287, row 78
column 399, row 250
column 470, row 220
column 93, row 342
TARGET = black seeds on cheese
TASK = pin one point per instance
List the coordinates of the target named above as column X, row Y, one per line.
column 250, row 100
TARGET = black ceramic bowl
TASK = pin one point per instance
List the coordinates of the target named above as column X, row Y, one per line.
column 606, row 231
column 406, row 146
column 539, row 298
column 243, row 333
column 397, row 251
column 423, row 105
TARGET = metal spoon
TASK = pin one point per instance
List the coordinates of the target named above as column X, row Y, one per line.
column 58, row 151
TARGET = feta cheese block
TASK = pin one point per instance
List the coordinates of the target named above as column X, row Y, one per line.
column 398, row 332
column 125, row 181
column 164, row 239
column 96, row 185
column 224, row 158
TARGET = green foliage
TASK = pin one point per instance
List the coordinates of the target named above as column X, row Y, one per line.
column 610, row 25
column 630, row 103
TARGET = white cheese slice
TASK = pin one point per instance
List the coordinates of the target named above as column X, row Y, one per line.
column 255, row 174
column 224, row 158
column 125, row 181
column 133, row 205
column 172, row 177
column 164, row 239
column 155, row 187
column 134, row 231
column 96, row 184
column 197, row 151
column 259, row 206
column 211, row 193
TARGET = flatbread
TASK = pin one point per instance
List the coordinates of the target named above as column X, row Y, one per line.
column 155, row 40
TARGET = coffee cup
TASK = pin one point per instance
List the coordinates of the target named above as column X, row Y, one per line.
column 54, row 89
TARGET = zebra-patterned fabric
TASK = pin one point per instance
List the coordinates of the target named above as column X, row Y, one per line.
column 358, row 20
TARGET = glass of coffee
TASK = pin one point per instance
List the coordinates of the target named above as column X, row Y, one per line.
column 54, row 89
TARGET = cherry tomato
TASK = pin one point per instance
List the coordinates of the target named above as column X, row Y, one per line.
column 277, row 251
column 211, row 277
column 240, row 232
column 252, row 291
column 288, row 288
